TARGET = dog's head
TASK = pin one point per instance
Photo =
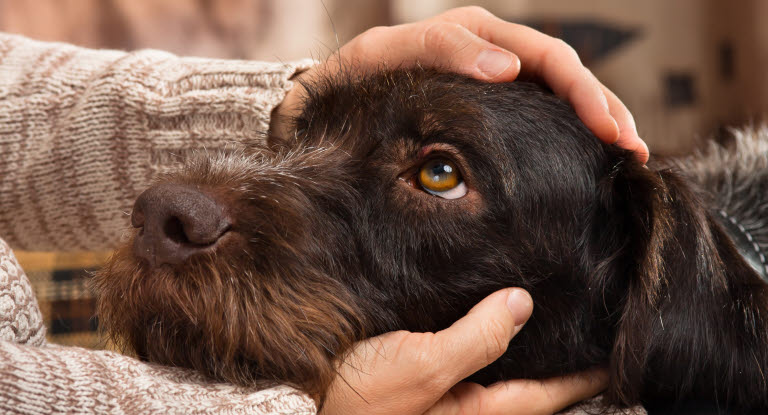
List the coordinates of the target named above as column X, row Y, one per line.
column 402, row 199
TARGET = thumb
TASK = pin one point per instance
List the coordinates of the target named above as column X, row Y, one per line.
column 446, row 45
column 482, row 336
column 453, row 46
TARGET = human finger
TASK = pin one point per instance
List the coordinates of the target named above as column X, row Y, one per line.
column 537, row 397
column 628, row 136
column 445, row 45
column 546, row 396
column 547, row 58
column 483, row 335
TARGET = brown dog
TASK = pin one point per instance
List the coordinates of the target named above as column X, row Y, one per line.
column 406, row 197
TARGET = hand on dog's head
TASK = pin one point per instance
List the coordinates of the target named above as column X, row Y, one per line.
column 403, row 199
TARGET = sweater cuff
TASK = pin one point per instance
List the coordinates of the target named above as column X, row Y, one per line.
column 188, row 104
column 85, row 131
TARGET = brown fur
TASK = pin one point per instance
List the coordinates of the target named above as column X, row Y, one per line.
column 201, row 316
column 332, row 242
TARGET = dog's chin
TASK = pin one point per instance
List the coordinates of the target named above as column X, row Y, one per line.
column 221, row 318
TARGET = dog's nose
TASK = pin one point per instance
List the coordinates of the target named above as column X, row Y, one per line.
column 176, row 221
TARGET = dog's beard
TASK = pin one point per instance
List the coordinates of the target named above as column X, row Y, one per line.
column 220, row 317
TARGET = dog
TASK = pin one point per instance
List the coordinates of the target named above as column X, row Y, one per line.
column 403, row 198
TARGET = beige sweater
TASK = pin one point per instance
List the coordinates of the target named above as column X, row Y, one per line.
column 82, row 132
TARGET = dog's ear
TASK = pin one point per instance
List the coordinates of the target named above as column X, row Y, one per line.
column 681, row 317
column 632, row 229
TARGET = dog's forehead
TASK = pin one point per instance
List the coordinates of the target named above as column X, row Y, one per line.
column 516, row 128
column 393, row 108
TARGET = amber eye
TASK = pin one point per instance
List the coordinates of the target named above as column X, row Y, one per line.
column 441, row 177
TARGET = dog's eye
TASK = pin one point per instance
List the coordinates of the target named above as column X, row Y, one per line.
column 442, row 178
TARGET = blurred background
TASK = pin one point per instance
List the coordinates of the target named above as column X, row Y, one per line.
column 687, row 69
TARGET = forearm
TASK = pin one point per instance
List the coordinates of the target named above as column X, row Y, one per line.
column 39, row 379
column 82, row 132
column 57, row 379
column 20, row 318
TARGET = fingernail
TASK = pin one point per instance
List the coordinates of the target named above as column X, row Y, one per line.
column 493, row 62
column 520, row 304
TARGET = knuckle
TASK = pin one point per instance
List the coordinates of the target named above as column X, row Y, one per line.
column 496, row 341
column 424, row 355
column 471, row 12
column 439, row 36
column 369, row 39
column 396, row 337
column 566, row 49
column 476, row 11
column 375, row 32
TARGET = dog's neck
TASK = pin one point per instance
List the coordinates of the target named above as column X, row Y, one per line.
column 745, row 243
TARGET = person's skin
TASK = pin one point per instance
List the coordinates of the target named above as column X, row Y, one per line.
column 474, row 42
column 416, row 373
column 420, row 373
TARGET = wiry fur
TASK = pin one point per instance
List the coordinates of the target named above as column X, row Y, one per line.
column 255, row 310
column 735, row 176
column 626, row 265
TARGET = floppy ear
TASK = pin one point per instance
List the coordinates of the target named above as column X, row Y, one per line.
column 660, row 246
column 634, row 226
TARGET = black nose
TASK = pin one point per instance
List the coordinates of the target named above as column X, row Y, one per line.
column 176, row 222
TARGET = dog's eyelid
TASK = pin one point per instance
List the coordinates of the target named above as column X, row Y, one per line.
column 434, row 149
column 455, row 193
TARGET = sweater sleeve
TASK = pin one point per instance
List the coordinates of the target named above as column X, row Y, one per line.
column 57, row 379
column 20, row 318
column 36, row 378
column 82, row 132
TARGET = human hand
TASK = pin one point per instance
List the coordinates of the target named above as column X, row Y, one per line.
column 420, row 373
column 474, row 42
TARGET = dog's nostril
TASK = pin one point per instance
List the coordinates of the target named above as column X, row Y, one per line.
column 176, row 222
column 137, row 217
column 195, row 231
column 174, row 230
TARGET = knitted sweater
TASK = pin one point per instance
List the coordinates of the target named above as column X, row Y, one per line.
column 82, row 132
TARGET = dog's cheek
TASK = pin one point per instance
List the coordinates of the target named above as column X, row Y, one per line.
column 218, row 318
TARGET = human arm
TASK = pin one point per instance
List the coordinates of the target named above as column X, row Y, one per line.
column 83, row 132
column 58, row 379
column 40, row 378
column 396, row 373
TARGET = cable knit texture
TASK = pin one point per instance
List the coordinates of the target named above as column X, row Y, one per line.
column 20, row 318
column 57, row 379
column 82, row 132
column 41, row 379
